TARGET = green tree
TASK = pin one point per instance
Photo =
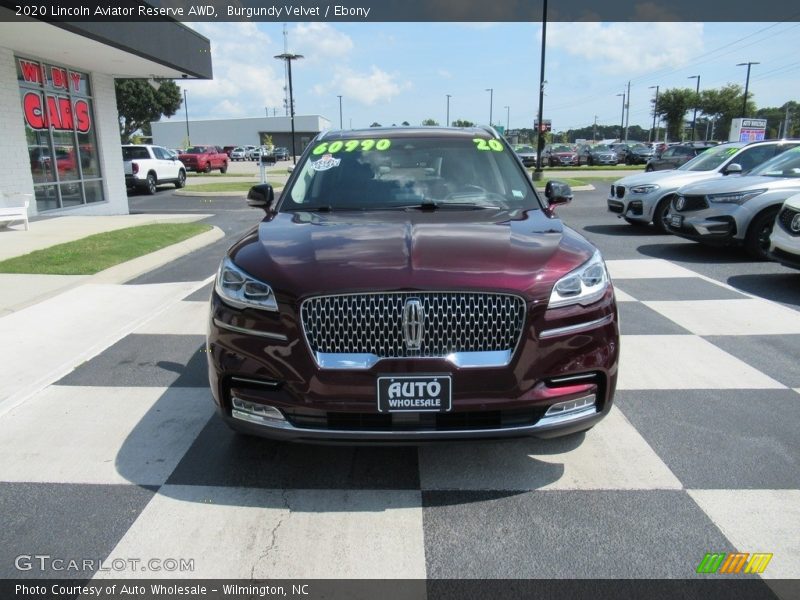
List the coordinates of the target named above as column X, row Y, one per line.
column 430, row 123
column 776, row 119
column 139, row 103
column 722, row 105
column 463, row 123
column 376, row 124
column 405, row 123
column 673, row 104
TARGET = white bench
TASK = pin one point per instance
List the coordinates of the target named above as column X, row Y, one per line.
column 14, row 207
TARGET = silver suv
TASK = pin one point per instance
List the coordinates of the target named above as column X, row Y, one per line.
column 738, row 211
column 642, row 198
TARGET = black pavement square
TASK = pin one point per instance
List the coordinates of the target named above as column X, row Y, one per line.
column 221, row 457
column 566, row 534
column 637, row 319
column 775, row 355
column 721, row 439
column 64, row 521
column 675, row 288
column 146, row 360
column 203, row 294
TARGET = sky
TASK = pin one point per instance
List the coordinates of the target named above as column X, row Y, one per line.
column 394, row 72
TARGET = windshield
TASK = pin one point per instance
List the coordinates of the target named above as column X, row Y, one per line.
column 411, row 172
column 524, row 149
column 710, row 159
column 602, row 148
column 196, row 150
column 786, row 164
column 562, row 148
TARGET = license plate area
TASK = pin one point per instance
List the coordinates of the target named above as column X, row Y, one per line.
column 676, row 221
column 414, row 393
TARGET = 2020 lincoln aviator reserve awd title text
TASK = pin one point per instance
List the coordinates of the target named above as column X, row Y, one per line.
column 409, row 284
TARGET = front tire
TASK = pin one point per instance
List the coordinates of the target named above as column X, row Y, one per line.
column 181, row 179
column 756, row 241
column 207, row 168
column 660, row 214
column 223, row 168
column 649, row 169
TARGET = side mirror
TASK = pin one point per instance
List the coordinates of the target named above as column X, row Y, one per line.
column 557, row 193
column 261, row 196
column 733, row 169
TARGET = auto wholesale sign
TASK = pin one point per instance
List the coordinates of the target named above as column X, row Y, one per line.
column 748, row 130
column 49, row 109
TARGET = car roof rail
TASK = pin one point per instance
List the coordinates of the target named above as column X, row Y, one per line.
column 490, row 130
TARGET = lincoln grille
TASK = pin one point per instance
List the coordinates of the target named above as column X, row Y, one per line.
column 451, row 322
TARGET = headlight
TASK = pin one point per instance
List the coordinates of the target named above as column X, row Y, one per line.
column 735, row 198
column 584, row 285
column 644, row 189
column 241, row 290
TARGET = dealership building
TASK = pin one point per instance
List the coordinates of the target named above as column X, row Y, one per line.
column 239, row 132
column 59, row 126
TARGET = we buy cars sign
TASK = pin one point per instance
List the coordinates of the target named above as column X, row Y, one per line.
column 44, row 110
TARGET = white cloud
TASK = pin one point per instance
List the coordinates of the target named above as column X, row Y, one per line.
column 244, row 81
column 621, row 49
column 319, row 41
column 365, row 88
column 444, row 74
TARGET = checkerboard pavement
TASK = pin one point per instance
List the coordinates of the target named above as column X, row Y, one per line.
column 124, row 457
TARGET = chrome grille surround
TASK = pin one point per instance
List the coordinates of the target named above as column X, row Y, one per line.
column 469, row 329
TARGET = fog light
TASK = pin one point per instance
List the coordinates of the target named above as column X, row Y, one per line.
column 255, row 413
column 571, row 406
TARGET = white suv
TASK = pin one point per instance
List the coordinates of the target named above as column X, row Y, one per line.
column 785, row 239
column 146, row 167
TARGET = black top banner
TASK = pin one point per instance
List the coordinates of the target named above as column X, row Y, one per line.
column 404, row 10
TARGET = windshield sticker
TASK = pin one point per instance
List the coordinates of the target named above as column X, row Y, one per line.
column 517, row 194
column 351, row 146
column 325, row 163
column 486, row 145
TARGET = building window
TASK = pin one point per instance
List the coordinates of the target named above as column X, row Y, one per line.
column 62, row 141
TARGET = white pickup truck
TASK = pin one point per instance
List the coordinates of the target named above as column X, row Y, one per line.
column 147, row 167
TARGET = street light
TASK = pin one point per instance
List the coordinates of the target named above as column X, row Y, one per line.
column 341, row 126
column 537, row 173
column 491, row 102
column 447, row 121
column 288, row 58
column 508, row 117
column 746, row 85
column 186, row 108
column 655, row 112
column 622, row 120
column 696, row 102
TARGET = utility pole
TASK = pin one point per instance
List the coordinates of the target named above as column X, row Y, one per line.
column 746, row 85
column 447, row 120
column 289, row 58
column 696, row 102
column 594, row 129
column 341, row 126
column 622, row 118
column 491, row 103
column 286, row 70
column 537, row 174
column 186, row 108
column 655, row 112
column 787, row 122
column 628, row 111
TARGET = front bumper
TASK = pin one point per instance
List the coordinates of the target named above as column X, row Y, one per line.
column 719, row 225
column 784, row 248
column 339, row 405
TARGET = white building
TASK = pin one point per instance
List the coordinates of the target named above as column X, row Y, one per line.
column 239, row 132
column 59, row 126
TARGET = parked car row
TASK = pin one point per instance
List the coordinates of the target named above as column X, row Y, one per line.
column 729, row 195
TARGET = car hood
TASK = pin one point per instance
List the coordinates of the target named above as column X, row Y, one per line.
column 564, row 153
column 673, row 178
column 737, row 184
column 793, row 202
column 303, row 253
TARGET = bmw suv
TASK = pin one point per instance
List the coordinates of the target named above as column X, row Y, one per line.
column 410, row 284
column 646, row 197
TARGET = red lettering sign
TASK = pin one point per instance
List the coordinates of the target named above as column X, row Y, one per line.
column 32, row 106
column 60, row 114
column 82, row 120
column 76, row 81
column 59, row 77
column 31, row 72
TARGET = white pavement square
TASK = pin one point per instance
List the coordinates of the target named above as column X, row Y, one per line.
column 758, row 521
column 649, row 268
column 730, row 317
column 612, row 456
column 182, row 318
column 270, row 534
column 682, row 362
column 106, row 435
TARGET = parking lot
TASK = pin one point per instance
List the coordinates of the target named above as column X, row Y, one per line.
column 700, row 454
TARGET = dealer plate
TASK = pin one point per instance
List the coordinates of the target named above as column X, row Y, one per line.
column 414, row 393
column 676, row 221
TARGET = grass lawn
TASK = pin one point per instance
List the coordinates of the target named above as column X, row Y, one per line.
column 231, row 186
column 92, row 254
column 218, row 174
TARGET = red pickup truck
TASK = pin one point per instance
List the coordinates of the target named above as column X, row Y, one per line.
column 204, row 159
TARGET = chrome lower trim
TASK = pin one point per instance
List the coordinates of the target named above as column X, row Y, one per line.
column 464, row 360
column 259, row 382
column 245, row 331
column 548, row 333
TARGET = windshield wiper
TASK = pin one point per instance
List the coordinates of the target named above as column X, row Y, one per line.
column 319, row 208
column 431, row 205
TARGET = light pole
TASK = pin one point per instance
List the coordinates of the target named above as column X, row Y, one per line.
column 447, row 121
column 491, row 102
column 622, row 120
column 341, row 126
column 696, row 102
column 594, row 129
column 655, row 112
column 537, row 173
column 186, row 108
column 508, row 116
column 746, row 85
column 288, row 58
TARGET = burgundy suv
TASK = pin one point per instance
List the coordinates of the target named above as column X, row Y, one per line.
column 410, row 284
